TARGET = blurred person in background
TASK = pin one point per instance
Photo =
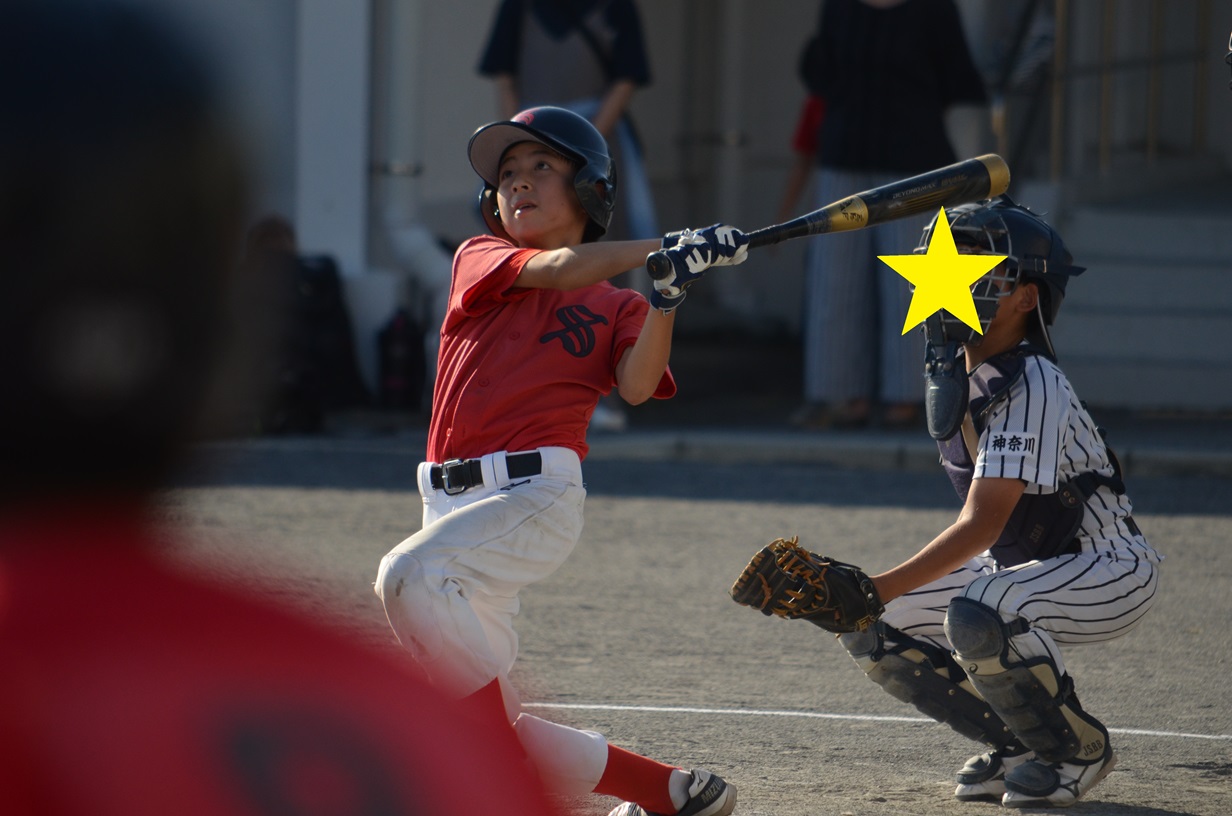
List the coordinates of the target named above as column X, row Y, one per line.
column 129, row 685
column 588, row 56
column 888, row 71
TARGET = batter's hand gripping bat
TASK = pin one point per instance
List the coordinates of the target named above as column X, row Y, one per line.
column 961, row 183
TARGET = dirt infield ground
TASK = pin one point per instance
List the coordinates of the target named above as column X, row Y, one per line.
column 635, row 636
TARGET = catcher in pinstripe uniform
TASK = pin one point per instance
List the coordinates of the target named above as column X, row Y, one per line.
column 1044, row 554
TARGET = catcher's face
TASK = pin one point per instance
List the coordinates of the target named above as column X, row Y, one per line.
column 987, row 293
column 1015, row 306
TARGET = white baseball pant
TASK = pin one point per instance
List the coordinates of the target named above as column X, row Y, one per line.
column 450, row 593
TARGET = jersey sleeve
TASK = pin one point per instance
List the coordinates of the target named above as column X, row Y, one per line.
column 628, row 47
column 1025, row 432
column 484, row 270
column 812, row 112
column 500, row 55
column 817, row 67
column 958, row 79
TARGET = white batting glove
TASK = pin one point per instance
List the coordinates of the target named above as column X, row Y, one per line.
column 692, row 252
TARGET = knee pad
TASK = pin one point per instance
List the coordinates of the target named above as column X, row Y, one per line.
column 975, row 631
column 1030, row 696
column 923, row 675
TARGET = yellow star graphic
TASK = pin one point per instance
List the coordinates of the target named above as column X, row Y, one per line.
column 942, row 278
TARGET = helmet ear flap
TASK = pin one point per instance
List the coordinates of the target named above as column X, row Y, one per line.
column 596, row 194
column 489, row 209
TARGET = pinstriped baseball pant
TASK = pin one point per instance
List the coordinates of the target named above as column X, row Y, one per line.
column 855, row 306
column 1080, row 598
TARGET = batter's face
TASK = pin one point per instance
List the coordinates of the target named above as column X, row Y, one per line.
column 538, row 204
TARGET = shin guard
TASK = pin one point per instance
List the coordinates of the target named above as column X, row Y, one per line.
column 925, row 676
column 1030, row 696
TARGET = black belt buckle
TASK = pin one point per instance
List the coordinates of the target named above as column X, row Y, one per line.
column 450, row 469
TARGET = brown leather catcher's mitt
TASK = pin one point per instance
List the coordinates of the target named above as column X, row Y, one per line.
column 786, row 580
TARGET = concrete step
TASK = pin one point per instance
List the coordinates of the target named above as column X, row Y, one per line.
column 1149, row 324
column 1143, row 337
column 1148, row 385
column 1167, row 287
column 1163, row 235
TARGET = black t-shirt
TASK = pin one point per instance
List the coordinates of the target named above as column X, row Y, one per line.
column 615, row 24
column 887, row 76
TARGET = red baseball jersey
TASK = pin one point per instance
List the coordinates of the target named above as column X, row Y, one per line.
column 524, row 368
column 130, row 688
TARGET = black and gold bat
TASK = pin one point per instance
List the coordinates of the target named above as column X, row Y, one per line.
column 960, row 183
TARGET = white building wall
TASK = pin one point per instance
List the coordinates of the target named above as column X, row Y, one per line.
column 332, row 73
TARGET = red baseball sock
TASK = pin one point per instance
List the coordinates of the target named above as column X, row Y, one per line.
column 636, row 779
column 487, row 704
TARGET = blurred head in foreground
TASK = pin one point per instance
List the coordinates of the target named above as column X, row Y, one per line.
column 121, row 201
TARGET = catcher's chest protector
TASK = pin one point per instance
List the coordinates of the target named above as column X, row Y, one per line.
column 1008, row 369
column 1042, row 525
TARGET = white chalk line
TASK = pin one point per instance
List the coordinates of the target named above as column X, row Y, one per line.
column 814, row 715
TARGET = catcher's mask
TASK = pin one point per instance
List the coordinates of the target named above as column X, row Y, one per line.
column 1034, row 253
column 569, row 134
column 1228, row 57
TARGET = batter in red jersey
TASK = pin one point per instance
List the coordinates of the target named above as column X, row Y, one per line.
column 553, row 354
column 534, row 334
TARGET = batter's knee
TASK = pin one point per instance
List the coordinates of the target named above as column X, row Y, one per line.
column 392, row 575
column 414, row 610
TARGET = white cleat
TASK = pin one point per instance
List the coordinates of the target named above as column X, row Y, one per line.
column 1038, row 784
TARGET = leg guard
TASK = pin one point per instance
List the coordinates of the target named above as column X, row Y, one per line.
column 925, row 676
column 1037, row 704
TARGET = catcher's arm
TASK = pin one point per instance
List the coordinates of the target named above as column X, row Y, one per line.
column 786, row 580
column 990, row 503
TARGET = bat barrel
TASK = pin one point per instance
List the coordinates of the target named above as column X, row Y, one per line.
column 975, row 179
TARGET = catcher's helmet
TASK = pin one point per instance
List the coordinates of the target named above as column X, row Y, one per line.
column 570, row 135
column 1034, row 253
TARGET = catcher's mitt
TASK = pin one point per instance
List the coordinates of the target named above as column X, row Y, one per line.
column 786, row 580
